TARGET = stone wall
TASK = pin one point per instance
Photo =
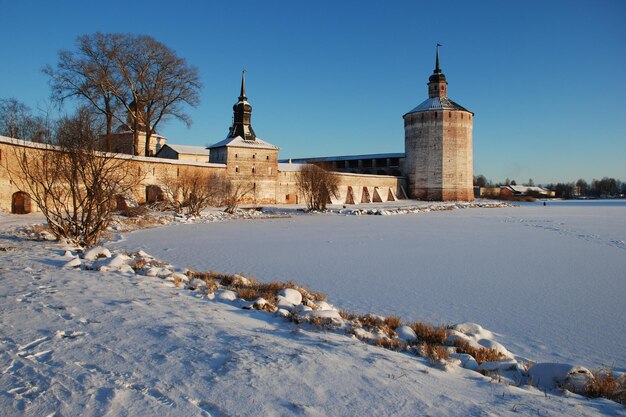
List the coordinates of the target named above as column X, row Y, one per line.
column 353, row 188
column 153, row 171
column 268, row 184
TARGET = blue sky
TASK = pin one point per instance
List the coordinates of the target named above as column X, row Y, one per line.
column 546, row 79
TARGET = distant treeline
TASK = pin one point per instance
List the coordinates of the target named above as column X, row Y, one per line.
column 604, row 188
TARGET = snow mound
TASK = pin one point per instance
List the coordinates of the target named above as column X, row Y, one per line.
column 499, row 366
column 323, row 305
column 117, row 262
column 240, row 280
column 325, row 316
column 96, row 252
column 226, row 295
column 559, row 375
column 406, row 333
column 465, row 361
column 290, row 295
column 73, row 263
column 474, row 330
column 492, row 344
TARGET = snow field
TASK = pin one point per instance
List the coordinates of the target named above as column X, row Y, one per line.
column 154, row 348
column 548, row 281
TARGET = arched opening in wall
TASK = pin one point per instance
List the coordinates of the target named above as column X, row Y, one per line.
column 20, row 203
column 349, row 196
column 376, row 196
column 365, row 196
column 154, row 194
column 390, row 196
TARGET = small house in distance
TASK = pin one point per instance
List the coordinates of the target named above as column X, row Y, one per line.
column 521, row 191
column 184, row 152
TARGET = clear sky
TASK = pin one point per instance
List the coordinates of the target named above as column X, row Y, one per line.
column 545, row 79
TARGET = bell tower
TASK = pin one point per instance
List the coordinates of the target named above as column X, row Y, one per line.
column 439, row 162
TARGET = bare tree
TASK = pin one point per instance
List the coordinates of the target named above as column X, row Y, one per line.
column 131, row 73
column 164, row 83
column 74, row 186
column 14, row 118
column 196, row 188
column 235, row 193
column 480, row 181
column 317, row 186
column 89, row 75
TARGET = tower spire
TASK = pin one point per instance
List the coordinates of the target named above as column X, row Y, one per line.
column 242, row 94
column 242, row 115
column 437, row 84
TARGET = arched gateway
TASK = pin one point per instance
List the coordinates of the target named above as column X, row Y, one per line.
column 20, row 203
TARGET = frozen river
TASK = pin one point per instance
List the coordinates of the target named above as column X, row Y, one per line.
column 550, row 281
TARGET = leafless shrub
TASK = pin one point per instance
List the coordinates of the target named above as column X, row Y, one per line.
column 196, row 188
column 317, row 186
column 74, row 186
column 235, row 193
column 605, row 384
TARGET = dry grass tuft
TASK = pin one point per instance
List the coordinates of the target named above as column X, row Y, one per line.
column 321, row 321
column 369, row 321
column 178, row 281
column 433, row 352
column 604, row 384
column 428, row 333
column 37, row 228
column 391, row 344
column 346, row 315
column 137, row 211
column 252, row 293
column 140, row 263
column 392, row 322
column 481, row 355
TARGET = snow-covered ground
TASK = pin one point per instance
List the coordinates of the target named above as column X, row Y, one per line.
column 550, row 281
column 90, row 343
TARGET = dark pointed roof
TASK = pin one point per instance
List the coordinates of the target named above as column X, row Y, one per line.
column 242, row 115
column 437, row 76
column 242, row 94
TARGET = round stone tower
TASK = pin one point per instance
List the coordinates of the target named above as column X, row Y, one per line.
column 438, row 144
